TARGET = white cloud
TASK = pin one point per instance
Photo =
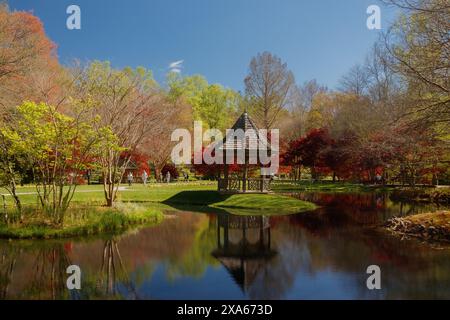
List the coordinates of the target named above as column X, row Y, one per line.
column 176, row 66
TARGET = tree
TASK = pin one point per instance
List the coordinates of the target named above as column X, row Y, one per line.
column 26, row 55
column 418, row 47
column 323, row 110
column 158, row 148
column 23, row 40
column 308, row 91
column 211, row 103
column 295, row 121
column 129, row 103
column 268, row 85
column 355, row 81
column 213, row 171
column 158, row 145
column 10, row 163
column 215, row 106
column 169, row 167
column 415, row 154
column 309, row 151
column 57, row 148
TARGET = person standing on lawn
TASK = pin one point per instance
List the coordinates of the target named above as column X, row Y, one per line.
column 144, row 177
column 130, row 178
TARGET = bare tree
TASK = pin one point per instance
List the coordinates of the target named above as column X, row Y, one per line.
column 268, row 85
column 355, row 81
column 307, row 92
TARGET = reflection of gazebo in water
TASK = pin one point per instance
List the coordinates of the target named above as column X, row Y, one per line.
column 247, row 141
column 244, row 246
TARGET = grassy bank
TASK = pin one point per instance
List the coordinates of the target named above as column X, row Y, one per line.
column 428, row 226
column 264, row 203
column 82, row 221
column 244, row 204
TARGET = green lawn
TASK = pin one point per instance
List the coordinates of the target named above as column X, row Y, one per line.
column 138, row 205
column 93, row 194
column 275, row 204
column 242, row 204
column 180, row 196
column 322, row 186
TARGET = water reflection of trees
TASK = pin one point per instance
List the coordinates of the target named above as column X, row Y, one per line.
column 364, row 207
column 113, row 273
column 196, row 258
column 49, row 275
column 409, row 269
column 308, row 245
column 41, row 270
column 8, row 261
column 304, row 246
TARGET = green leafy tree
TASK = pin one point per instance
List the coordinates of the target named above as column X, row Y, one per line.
column 58, row 148
column 211, row 103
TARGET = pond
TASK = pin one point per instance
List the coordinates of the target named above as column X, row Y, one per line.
column 193, row 255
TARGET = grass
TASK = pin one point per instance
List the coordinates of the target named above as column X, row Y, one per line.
column 322, row 186
column 242, row 204
column 263, row 202
column 84, row 221
column 93, row 194
column 139, row 205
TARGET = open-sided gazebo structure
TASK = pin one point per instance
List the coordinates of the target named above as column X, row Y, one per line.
column 249, row 144
column 243, row 246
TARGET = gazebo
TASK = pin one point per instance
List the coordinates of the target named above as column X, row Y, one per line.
column 249, row 145
column 243, row 246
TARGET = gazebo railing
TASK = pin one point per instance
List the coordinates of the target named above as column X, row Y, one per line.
column 237, row 184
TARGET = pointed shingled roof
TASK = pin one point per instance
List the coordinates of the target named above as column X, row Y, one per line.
column 246, row 124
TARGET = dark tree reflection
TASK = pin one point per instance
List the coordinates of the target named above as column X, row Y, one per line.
column 113, row 275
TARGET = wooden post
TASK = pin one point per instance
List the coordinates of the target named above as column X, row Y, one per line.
column 219, row 245
column 225, row 233
column 225, row 176
column 261, row 232
column 244, row 180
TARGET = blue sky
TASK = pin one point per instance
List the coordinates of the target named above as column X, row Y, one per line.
column 319, row 39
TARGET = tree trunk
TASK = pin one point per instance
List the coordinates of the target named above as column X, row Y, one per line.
column 14, row 192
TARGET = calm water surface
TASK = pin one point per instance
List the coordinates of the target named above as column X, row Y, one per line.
column 192, row 255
